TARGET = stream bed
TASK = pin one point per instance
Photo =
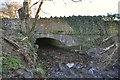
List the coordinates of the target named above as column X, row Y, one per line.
column 61, row 63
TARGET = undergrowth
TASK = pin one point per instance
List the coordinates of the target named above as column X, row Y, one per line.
column 30, row 44
column 12, row 63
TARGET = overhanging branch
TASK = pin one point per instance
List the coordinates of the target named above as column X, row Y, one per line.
column 36, row 17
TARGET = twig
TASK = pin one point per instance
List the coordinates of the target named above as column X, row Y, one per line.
column 24, row 38
column 110, row 57
column 106, row 39
column 106, row 49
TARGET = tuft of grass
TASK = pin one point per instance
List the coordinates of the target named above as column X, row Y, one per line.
column 31, row 45
column 27, row 42
column 40, row 70
column 11, row 62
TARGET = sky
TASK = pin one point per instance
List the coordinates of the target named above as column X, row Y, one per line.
column 69, row 8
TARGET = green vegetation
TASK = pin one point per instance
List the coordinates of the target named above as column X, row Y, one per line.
column 111, row 17
column 92, row 30
column 12, row 63
column 27, row 42
column 30, row 44
column 40, row 70
column 1, row 59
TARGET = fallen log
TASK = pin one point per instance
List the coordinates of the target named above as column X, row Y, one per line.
column 11, row 42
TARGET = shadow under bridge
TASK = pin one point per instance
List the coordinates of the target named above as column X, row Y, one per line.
column 55, row 39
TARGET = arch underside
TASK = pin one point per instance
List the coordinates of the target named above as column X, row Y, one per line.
column 45, row 41
column 66, row 40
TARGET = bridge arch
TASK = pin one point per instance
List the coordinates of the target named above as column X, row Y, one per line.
column 67, row 40
column 46, row 41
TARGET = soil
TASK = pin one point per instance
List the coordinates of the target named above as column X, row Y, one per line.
column 51, row 55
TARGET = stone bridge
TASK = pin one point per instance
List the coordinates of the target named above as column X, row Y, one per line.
column 47, row 29
column 65, row 30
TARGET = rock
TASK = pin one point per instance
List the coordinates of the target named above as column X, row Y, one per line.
column 96, row 50
column 19, row 73
column 77, row 51
column 78, row 65
column 28, row 74
column 75, row 72
column 65, row 72
column 70, row 65
column 91, row 70
column 78, row 70
column 63, row 67
column 59, row 75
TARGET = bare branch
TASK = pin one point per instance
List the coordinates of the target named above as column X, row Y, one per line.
column 45, row 12
column 36, row 17
column 34, row 4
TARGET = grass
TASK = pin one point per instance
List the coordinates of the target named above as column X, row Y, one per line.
column 40, row 70
column 29, row 43
column 12, row 63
